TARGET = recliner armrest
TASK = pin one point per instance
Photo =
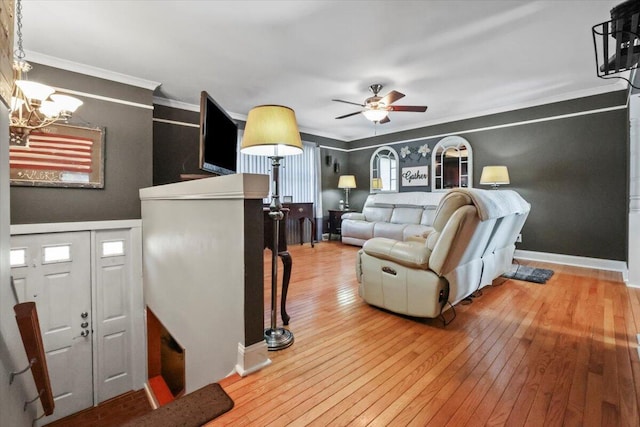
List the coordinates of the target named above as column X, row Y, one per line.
column 409, row 254
column 353, row 215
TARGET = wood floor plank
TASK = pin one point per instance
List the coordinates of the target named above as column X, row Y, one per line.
column 520, row 353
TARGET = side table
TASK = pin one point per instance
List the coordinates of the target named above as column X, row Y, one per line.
column 335, row 222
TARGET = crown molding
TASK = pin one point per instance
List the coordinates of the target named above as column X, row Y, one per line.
column 599, row 90
column 166, row 102
column 88, row 70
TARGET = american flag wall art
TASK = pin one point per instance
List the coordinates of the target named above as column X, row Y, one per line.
column 61, row 156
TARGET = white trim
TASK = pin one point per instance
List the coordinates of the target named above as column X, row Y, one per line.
column 104, row 98
column 176, row 104
column 253, row 358
column 56, row 227
column 173, row 122
column 614, row 87
column 236, row 116
column 505, row 125
column 344, row 150
column 235, row 186
column 576, row 261
column 88, row 70
column 151, row 397
column 191, row 107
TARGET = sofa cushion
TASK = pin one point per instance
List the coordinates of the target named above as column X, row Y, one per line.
column 428, row 215
column 357, row 229
column 389, row 230
column 406, row 215
column 377, row 213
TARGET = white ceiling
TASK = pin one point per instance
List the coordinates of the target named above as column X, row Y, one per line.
column 461, row 58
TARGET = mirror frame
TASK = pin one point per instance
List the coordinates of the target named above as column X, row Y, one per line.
column 372, row 161
column 458, row 143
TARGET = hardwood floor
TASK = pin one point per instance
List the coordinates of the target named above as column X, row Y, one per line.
column 564, row 353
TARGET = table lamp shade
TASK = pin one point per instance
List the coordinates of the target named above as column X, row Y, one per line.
column 271, row 130
column 376, row 183
column 347, row 181
column 494, row 175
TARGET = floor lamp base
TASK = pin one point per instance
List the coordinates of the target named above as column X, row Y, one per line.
column 278, row 338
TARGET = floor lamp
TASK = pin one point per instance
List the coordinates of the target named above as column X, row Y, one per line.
column 272, row 131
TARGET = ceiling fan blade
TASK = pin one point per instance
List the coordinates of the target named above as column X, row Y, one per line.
column 348, row 115
column 348, row 102
column 415, row 108
column 391, row 97
column 385, row 120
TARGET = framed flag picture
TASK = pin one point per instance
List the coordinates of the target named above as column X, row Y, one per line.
column 59, row 156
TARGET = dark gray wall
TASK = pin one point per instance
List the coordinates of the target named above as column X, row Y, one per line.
column 572, row 170
column 128, row 155
column 175, row 147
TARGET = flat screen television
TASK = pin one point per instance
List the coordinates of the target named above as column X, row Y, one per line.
column 218, row 138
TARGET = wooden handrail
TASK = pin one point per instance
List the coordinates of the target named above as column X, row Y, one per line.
column 29, row 326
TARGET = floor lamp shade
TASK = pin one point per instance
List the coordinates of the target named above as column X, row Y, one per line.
column 271, row 130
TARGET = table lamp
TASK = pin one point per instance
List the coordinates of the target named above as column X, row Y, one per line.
column 347, row 182
column 494, row 176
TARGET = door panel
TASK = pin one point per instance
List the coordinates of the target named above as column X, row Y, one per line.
column 57, row 277
column 113, row 313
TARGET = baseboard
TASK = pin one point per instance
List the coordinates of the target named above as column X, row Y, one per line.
column 252, row 358
column 576, row 261
column 150, row 396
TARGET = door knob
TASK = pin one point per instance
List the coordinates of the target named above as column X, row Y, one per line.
column 84, row 333
column 84, row 315
column 84, row 324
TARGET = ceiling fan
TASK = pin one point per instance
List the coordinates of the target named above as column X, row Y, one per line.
column 376, row 108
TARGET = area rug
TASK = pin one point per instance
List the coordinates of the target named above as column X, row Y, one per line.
column 529, row 274
column 191, row 410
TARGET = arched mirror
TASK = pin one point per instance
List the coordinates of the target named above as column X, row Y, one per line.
column 384, row 170
column 451, row 164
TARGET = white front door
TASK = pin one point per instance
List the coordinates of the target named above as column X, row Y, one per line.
column 54, row 271
column 113, row 317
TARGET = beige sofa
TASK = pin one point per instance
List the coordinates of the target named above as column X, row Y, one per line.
column 393, row 215
column 472, row 243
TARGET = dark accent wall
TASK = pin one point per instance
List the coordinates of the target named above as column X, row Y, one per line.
column 573, row 170
column 128, row 155
column 253, row 273
column 176, row 148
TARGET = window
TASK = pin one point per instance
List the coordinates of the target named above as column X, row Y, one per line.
column 112, row 248
column 297, row 173
column 18, row 257
column 384, row 170
column 57, row 253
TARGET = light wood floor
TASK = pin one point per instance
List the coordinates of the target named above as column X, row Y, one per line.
column 564, row 353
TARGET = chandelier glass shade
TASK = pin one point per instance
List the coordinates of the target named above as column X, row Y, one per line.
column 33, row 105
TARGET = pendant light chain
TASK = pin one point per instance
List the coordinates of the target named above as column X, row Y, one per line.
column 19, row 54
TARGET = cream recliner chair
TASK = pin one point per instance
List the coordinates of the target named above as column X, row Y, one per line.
column 472, row 243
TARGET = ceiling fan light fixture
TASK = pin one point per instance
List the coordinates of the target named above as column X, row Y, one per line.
column 375, row 115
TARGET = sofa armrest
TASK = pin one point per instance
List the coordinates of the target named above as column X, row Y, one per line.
column 409, row 254
column 353, row 215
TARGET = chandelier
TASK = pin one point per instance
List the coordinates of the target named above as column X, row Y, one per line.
column 33, row 105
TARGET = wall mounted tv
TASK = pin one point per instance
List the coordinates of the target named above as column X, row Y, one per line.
column 218, row 138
